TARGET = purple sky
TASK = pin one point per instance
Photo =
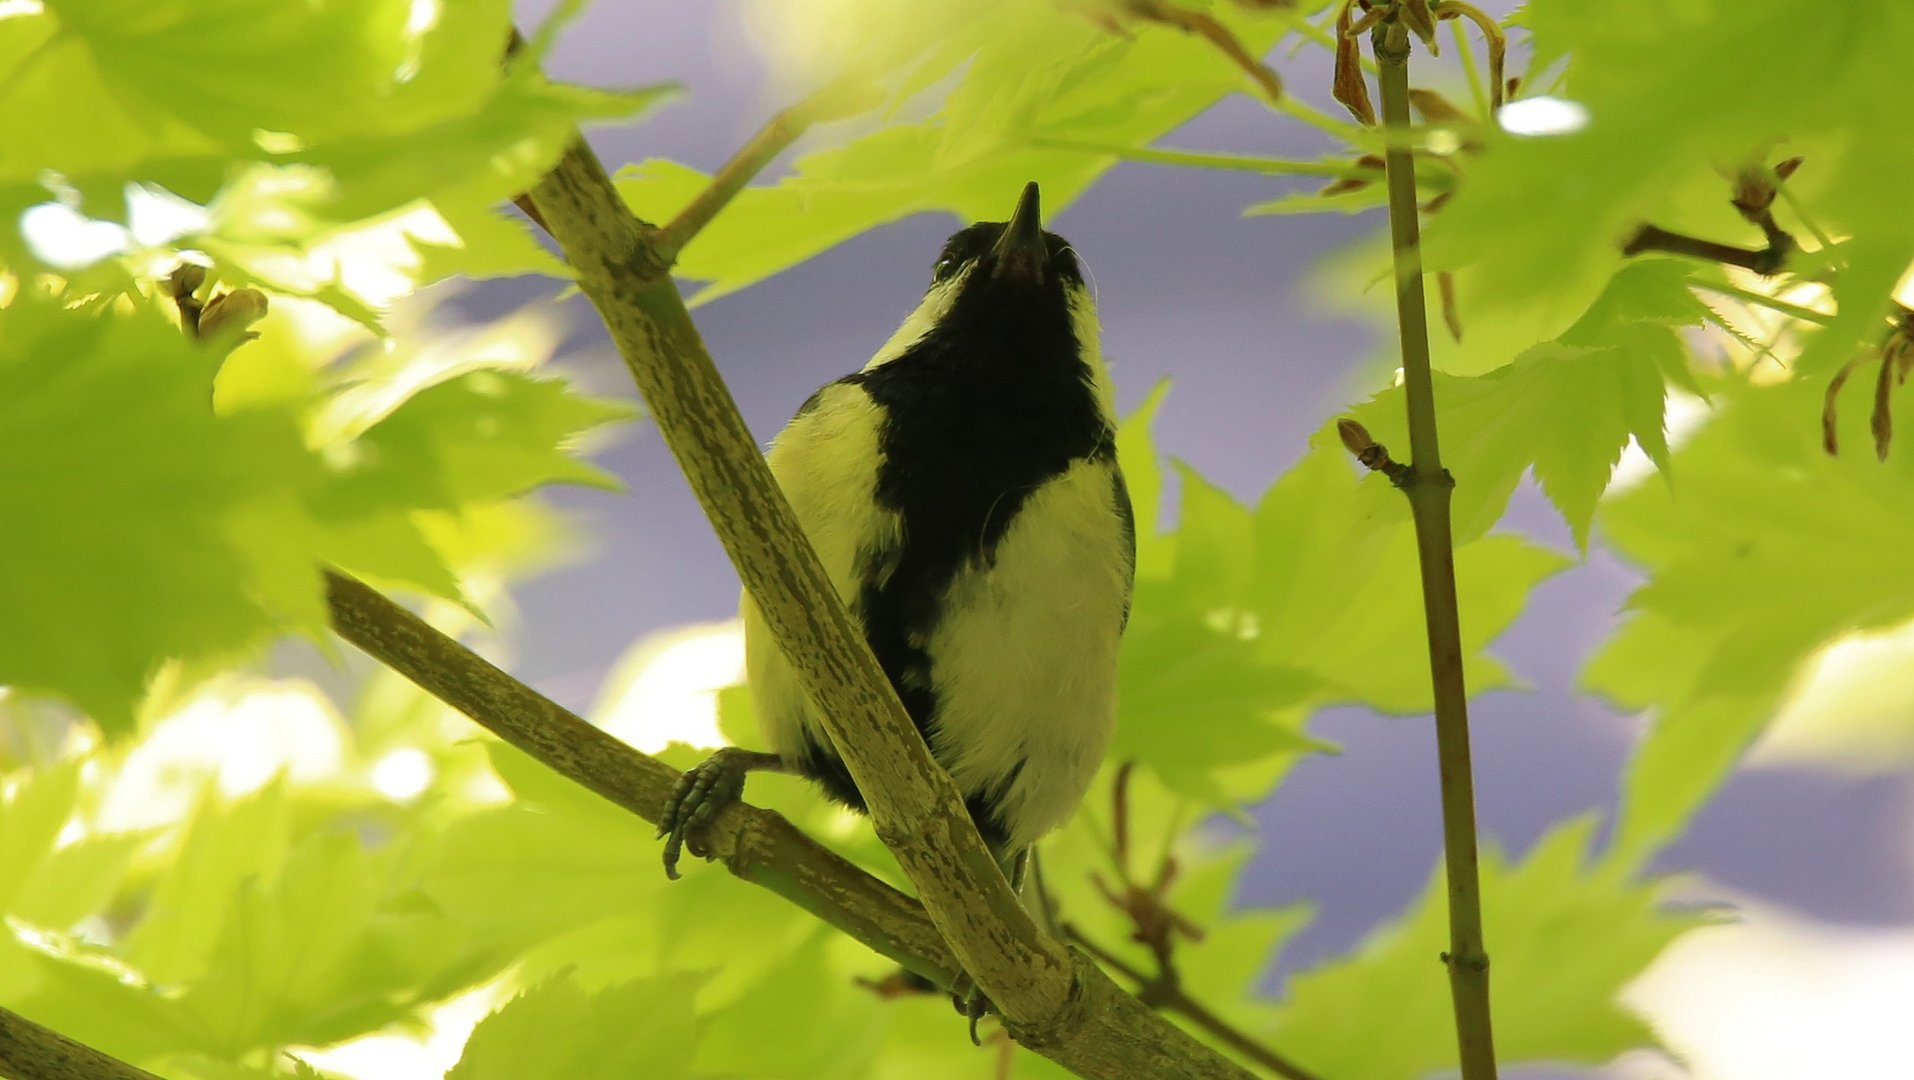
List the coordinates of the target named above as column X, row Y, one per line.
column 1188, row 289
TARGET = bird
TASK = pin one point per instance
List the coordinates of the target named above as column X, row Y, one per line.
column 963, row 493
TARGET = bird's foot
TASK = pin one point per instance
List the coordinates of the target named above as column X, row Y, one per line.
column 971, row 1004
column 703, row 791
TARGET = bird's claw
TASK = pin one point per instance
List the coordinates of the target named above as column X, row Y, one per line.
column 971, row 1004
column 702, row 792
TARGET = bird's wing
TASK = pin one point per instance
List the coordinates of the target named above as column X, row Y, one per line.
column 826, row 460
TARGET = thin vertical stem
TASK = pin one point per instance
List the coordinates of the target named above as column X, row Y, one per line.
column 1428, row 487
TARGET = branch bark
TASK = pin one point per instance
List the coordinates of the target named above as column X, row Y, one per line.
column 756, row 845
column 31, row 1052
column 1428, row 486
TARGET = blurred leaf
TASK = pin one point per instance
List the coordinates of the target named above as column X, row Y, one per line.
column 34, row 806
column 1543, row 218
column 803, row 1018
column 1038, row 74
column 109, row 420
column 1239, row 941
column 1197, row 692
column 1566, row 938
column 480, row 436
column 324, row 952
column 491, row 243
column 225, row 845
column 284, row 1067
column 76, row 880
column 285, row 123
column 643, row 1028
column 83, row 994
column 1768, row 549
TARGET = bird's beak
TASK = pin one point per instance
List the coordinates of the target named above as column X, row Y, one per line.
column 1021, row 251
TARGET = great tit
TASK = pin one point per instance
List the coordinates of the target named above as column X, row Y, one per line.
column 963, row 493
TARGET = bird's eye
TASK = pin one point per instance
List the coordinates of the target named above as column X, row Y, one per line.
column 943, row 269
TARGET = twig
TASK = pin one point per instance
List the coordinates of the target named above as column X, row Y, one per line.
column 1169, row 995
column 1429, row 487
column 1753, row 199
column 31, row 1052
column 1051, row 1001
column 834, row 101
column 1765, row 261
column 756, row 845
column 1372, row 454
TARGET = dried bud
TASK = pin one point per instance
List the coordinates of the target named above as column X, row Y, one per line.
column 1754, row 192
column 1415, row 15
column 1347, row 84
column 186, row 279
column 231, row 313
column 1358, row 182
column 1451, row 314
column 1435, row 108
column 1355, row 437
column 1787, row 168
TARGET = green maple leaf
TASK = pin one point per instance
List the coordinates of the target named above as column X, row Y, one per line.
column 1767, row 550
column 142, row 524
column 1037, row 79
column 642, row 1028
column 1566, row 936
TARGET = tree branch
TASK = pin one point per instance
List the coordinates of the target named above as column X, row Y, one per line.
column 836, row 100
column 1766, row 261
column 31, row 1052
column 756, row 845
column 1428, row 486
column 1052, row 1001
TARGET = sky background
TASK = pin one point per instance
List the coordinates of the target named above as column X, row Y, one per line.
column 1232, row 309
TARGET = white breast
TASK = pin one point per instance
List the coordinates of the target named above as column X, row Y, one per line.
column 1025, row 657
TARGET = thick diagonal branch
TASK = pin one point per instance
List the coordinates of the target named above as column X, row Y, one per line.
column 31, row 1052
column 756, row 845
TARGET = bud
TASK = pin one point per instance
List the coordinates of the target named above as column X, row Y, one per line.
column 1355, row 437
column 186, row 279
column 231, row 313
column 1347, row 84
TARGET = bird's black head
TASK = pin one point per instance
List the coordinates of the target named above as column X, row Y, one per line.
column 1006, row 300
column 1005, row 257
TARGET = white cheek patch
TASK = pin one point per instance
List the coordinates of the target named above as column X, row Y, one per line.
column 930, row 309
column 1096, row 374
